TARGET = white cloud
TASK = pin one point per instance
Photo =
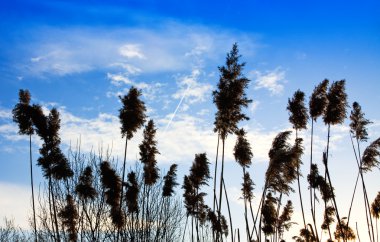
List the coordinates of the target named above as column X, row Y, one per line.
column 270, row 80
column 118, row 79
column 131, row 51
column 191, row 89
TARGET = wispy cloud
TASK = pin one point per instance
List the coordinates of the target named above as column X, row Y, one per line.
column 170, row 47
column 191, row 89
column 272, row 80
column 57, row 60
column 118, row 79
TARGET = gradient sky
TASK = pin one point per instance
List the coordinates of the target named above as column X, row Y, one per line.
column 80, row 55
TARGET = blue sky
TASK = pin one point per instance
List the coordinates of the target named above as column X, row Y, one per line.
column 80, row 55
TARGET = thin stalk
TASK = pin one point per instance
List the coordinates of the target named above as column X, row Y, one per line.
column 221, row 182
column 147, row 216
column 254, row 229
column 312, row 230
column 352, row 199
column 357, row 231
column 377, row 232
column 277, row 215
column 357, row 179
column 312, row 190
column 299, row 188
column 329, row 179
column 216, row 169
column 142, row 214
column 368, row 213
column 31, row 185
column 54, row 209
column 192, row 228
column 229, row 211
column 51, row 212
column 197, row 221
column 259, row 210
column 246, row 214
column 122, row 181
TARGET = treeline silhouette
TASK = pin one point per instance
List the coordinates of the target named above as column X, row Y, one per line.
column 86, row 198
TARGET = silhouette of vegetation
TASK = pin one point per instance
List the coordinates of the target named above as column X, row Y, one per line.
column 85, row 197
column 22, row 115
column 229, row 99
column 69, row 216
column 193, row 198
column 347, row 234
column 298, row 118
column 243, row 155
column 112, row 186
column 358, row 131
column 132, row 117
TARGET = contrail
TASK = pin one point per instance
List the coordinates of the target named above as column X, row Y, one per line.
column 175, row 111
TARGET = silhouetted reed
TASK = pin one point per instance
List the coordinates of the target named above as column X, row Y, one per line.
column 111, row 183
column 132, row 117
column 317, row 106
column 229, row 99
column 90, row 199
column 269, row 215
column 69, row 216
column 298, row 117
column 343, row 231
column 284, row 221
column 22, row 115
column 148, row 152
column 243, row 155
column 53, row 162
column 335, row 113
column 358, row 131
column 84, row 188
column 170, row 181
column 371, row 155
column 193, row 198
